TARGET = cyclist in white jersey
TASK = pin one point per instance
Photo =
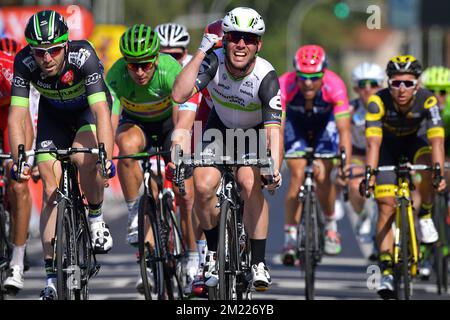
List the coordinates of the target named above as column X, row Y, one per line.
column 245, row 92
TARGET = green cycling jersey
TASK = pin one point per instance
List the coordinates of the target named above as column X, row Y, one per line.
column 149, row 103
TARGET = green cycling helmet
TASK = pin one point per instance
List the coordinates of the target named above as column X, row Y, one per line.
column 140, row 43
column 436, row 78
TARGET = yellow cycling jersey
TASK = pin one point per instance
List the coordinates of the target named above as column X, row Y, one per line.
column 383, row 119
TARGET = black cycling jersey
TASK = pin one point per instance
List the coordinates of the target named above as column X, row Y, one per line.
column 79, row 84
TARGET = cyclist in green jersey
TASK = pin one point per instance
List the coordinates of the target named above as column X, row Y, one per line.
column 437, row 80
column 141, row 84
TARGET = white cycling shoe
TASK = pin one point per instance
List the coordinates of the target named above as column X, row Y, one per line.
column 428, row 230
column 15, row 279
column 261, row 277
column 101, row 237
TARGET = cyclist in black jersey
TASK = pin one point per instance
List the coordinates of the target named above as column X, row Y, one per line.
column 393, row 120
column 73, row 112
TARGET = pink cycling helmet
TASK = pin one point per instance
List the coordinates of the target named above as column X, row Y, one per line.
column 310, row 59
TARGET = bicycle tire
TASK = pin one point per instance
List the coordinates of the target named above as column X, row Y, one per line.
column 175, row 252
column 146, row 253
column 405, row 250
column 65, row 244
column 4, row 250
column 309, row 250
column 226, row 253
column 438, row 246
column 85, row 255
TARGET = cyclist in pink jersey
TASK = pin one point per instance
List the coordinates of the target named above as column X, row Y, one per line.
column 315, row 102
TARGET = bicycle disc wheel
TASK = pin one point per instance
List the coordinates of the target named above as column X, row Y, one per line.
column 65, row 247
column 309, row 252
column 405, row 250
column 226, row 253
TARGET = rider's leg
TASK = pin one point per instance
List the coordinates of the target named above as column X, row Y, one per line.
column 293, row 208
column 130, row 139
column 92, row 184
column 426, row 190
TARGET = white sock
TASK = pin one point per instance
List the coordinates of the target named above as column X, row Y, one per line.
column 330, row 223
column 17, row 255
column 131, row 204
column 51, row 282
column 201, row 249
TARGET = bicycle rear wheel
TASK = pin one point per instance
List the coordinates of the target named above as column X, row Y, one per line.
column 66, row 257
column 227, row 252
column 310, row 246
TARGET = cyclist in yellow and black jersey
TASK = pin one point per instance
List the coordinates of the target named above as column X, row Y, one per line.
column 394, row 117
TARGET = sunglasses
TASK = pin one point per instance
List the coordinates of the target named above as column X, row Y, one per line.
column 52, row 51
column 176, row 55
column 145, row 66
column 441, row 92
column 408, row 84
column 310, row 76
column 362, row 84
column 249, row 38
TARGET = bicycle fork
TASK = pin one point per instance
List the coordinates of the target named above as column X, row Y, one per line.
column 413, row 256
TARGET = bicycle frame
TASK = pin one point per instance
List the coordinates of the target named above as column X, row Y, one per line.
column 403, row 192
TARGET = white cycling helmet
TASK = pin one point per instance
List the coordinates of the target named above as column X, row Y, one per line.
column 172, row 35
column 243, row 19
column 368, row 71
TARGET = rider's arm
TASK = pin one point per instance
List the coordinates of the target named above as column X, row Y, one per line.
column 111, row 82
column 374, row 131
column 96, row 94
column 435, row 131
column 269, row 94
column 186, row 112
column 195, row 76
column 341, row 111
column 18, row 112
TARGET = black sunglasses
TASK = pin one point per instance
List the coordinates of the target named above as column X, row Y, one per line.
column 236, row 36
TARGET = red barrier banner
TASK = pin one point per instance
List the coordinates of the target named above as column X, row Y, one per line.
column 14, row 20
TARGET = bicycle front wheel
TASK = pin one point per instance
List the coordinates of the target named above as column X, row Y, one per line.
column 66, row 258
column 405, row 252
column 227, row 252
column 310, row 246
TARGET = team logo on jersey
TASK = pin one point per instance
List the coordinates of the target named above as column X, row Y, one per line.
column 44, row 85
column 45, row 144
column 67, row 78
column 79, row 58
column 30, row 63
column 248, row 84
column 92, row 79
column 19, row 82
column 275, row 102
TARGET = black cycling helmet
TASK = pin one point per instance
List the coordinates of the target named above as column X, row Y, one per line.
column 404, row 64
column 46, row 27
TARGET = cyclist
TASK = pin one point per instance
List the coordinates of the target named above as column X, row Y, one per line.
column 393, row 120
column 141, row 83
column 174, row 39
column 19, row 197
column 245, row 92
column 73, row 112
column 437, row 80
column 317, row 110
column 367, row 79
